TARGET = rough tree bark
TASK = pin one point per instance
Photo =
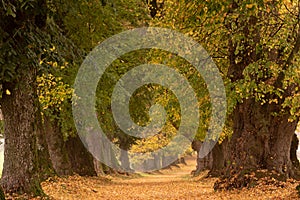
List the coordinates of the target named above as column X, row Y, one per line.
column 23, row 166
column 26, row 157
column 219, row 154
column 57, row 147
column 259, row 141
column 81, row 160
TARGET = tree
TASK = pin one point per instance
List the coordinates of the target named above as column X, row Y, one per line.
column 67, row 153
column 88, row 24
column 31, row 42
column 256, row 47
column 34, row 41
column 26, row 161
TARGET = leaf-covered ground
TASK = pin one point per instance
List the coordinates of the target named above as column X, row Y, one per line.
column 168, row 184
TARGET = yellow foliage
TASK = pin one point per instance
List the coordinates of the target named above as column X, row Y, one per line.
column 52, row 91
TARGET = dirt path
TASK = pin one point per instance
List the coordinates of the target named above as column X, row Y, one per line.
column 175, row 183
column 182, row 172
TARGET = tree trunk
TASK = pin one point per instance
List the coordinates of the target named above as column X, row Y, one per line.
column 23, row 165
column 82, row 161
column 96, row 144
column 219, row 154
column 99, row 167
column 260, row 140
column 202, row 163
column 46, row 168
column 57, row 148
column 124, row 158
column 293, row 152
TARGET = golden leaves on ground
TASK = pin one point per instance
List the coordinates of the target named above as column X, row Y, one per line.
column 175, row 183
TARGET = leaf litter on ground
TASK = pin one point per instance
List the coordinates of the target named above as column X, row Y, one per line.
column 174, row 183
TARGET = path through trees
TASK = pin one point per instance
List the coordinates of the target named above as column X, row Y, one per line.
column 175, row 183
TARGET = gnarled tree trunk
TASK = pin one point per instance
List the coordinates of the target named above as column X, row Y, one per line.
column 260, row 140
column 25, row 155
column 81, row 160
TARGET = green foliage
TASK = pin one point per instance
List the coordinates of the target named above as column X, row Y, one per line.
column 52, row 92
column 157, row 141
column 89, row 22
column 254, row 44
column 104, row 92
column 197, row 83
column 86, row 23
column 48, row 49
column 29, row 38
column 148, row 95
column 55, row 97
